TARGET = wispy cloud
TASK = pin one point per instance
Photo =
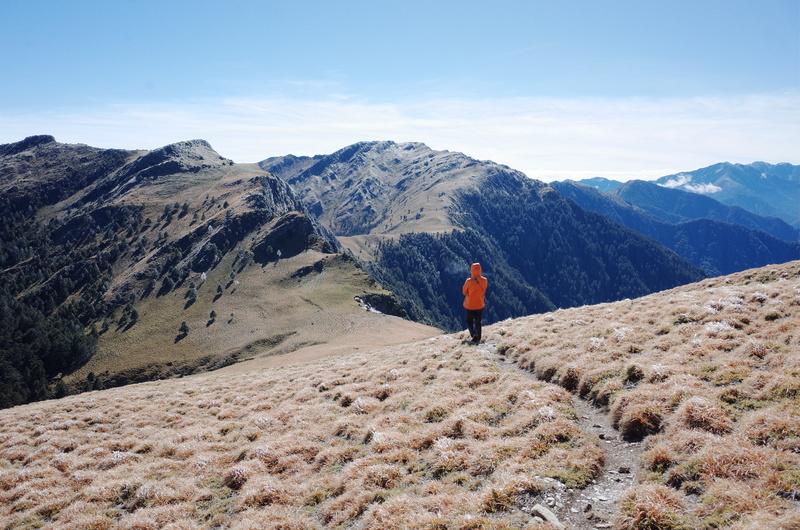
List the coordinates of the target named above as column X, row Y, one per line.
column 684, row 181
column 545, row 138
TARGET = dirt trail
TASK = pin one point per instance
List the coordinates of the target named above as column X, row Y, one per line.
column 595, row 506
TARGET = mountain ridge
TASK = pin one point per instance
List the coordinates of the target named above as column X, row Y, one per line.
column 419, row 204
column 123, row 251
column 770, row 190
column 327, row 185
column 117, row 250
column 675, row 205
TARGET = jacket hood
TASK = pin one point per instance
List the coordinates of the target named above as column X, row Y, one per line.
column 475, row 270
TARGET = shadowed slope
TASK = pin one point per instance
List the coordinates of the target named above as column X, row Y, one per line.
column 419, row 217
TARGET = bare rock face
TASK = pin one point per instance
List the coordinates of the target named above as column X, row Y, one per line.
column 291, row 234
column 380, row 187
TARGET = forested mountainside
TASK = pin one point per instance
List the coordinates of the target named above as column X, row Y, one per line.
column 43, row 322
column 422, row 216
column 90, row 238
column 717, row 246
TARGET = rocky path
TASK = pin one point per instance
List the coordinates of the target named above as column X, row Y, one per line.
column 595, row 506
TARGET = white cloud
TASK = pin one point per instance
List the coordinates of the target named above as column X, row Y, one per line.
column 703, row 188
column 681, row 179
column 684, row 180
column 545, row 138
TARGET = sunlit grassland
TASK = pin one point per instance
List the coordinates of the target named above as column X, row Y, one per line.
column 429, row 435
column 438, row 433
column 257, row 310
column 708, row 375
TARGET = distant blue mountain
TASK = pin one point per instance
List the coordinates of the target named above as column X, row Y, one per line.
column 716, row 246
column 675, row 206
column 765, row 189
column 601, row 183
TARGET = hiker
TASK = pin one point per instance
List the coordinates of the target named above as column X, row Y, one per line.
column 474, row 291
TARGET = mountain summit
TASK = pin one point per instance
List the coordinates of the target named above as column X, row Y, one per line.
column 419, row 217
column 378, row 188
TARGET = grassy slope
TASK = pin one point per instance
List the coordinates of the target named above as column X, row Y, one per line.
column 709, row 373
column 263, row 311
column 436, row 434
column 429, row 435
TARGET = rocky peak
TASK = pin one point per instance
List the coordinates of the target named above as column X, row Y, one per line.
column 181, row 157
column 386, row 187
column 28, row 143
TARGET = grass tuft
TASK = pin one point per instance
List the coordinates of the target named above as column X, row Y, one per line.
column 372, row 441
column 651, row 507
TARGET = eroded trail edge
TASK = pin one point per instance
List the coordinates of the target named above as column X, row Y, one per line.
column 596, row 505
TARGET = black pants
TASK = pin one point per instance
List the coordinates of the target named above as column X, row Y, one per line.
column 474, row 317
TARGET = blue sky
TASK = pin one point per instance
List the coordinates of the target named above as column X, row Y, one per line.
column 557, row 89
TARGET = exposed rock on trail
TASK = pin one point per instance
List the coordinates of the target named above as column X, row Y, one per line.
column 596, row 505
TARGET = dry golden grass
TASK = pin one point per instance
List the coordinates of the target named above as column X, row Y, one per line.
column 652, row 506
column 708, row 375
column 267, row 311
column 430, row 435
column 437, row 434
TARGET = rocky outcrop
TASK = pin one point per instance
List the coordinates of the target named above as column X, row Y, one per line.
column 23, row 145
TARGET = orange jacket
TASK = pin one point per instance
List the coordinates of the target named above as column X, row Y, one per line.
column 475, row 288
